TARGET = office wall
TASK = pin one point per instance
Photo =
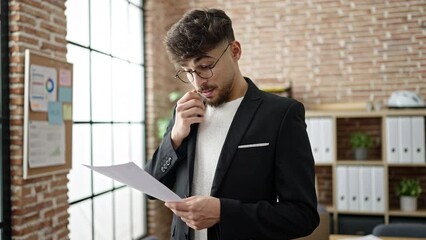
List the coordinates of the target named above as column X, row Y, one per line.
column 334, row 50
column 39, row 206
column 331, row 51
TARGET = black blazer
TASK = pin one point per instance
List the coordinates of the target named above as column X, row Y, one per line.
column 264, row 177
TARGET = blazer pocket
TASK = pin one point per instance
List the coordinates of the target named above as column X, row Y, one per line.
column 254, row 145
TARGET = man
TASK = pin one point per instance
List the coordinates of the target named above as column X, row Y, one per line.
column 239, row 157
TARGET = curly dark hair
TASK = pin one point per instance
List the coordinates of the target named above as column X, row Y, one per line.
column 198, row 32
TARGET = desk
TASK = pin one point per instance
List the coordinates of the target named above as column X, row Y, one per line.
column 337, row 237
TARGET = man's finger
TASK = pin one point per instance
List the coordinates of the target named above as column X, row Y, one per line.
column 177, row 206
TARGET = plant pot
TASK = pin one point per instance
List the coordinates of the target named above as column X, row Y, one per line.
column 408, row 203
column 360, row 153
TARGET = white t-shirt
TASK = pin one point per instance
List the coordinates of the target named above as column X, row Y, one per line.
column 211, row 136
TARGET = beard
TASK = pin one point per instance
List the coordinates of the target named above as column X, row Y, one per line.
column 222, row 95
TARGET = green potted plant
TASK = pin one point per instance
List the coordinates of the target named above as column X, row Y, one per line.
column 360, row 143
column 163, row 123
column 408, row 190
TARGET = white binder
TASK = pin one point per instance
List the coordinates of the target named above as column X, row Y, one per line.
column 309, row 130
column 378, row 191
column 342, row 188
column 316, row 140
column 365, row 188
column 418, row 139
column 392, row 148
column 353, row 184
column 404, row 132
column 326, row 137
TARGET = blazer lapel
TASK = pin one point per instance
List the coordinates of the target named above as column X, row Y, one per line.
column 192, row 140
column 240, row 123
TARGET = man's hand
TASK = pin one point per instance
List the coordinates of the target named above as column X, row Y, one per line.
column 198, row 212
column 189, row 109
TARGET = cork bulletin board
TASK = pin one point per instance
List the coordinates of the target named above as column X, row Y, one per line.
column 47, row 116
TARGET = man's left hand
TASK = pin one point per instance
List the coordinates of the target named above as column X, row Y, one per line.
column 198, row 212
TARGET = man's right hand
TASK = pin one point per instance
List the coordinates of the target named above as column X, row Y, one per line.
column 190, row 109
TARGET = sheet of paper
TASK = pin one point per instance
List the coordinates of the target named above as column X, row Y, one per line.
column 64, row 77
column 135, row 177
column 54, row 113
column 42, row 87
column 46, row 144
column 67, row 111
column 65, row 94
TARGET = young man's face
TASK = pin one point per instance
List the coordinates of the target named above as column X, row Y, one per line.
column 214, row 76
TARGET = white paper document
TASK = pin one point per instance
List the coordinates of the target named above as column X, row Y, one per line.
column 135, row 177
column 42, row 87
column 46, row 144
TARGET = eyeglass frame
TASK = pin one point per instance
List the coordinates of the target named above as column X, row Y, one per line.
column 195, row 71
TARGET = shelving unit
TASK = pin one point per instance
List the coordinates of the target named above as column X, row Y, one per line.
column 374, row 123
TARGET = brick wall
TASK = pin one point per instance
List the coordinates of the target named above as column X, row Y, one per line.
column 331, row 50
column 39, row 205
column 324, row 186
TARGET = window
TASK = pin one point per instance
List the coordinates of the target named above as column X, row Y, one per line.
column 105, row 45
column 5, row 212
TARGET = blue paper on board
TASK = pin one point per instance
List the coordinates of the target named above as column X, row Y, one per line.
column 65, row 94
column 54, row 113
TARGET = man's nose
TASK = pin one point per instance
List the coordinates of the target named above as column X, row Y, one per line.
column 198, row 80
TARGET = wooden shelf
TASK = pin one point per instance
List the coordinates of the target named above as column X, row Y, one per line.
column 364, row 113
column 399, row 213
column 360, row 163
column 374, row 123
column 324, row 164
column 407, row 164
column 361, row 213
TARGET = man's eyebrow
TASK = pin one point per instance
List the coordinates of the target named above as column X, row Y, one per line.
column 196, row 60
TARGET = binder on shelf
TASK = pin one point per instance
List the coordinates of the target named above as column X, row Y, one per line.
column 311, row 135
column 404, row 133
column 392, row 150
column 342, row 188
column 418, row 139
column 353, row 182
column 326, row 137
column 365, row 188
column 314, row 137
column 378, row 191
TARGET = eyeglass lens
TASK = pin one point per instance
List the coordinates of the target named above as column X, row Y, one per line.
column 204, row 73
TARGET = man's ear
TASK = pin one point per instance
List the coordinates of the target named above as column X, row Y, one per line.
column 236, row 50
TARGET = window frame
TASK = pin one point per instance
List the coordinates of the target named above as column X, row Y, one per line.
column 6, row 221
column 90, row 199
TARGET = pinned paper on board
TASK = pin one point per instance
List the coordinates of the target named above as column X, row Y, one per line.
column 54, row 113
column 43, row 87
column 65, row 94
column 67, row 111
column 64, row 77
column 46, row 144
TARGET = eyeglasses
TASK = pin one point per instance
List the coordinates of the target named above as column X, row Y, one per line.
column 204, row 72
